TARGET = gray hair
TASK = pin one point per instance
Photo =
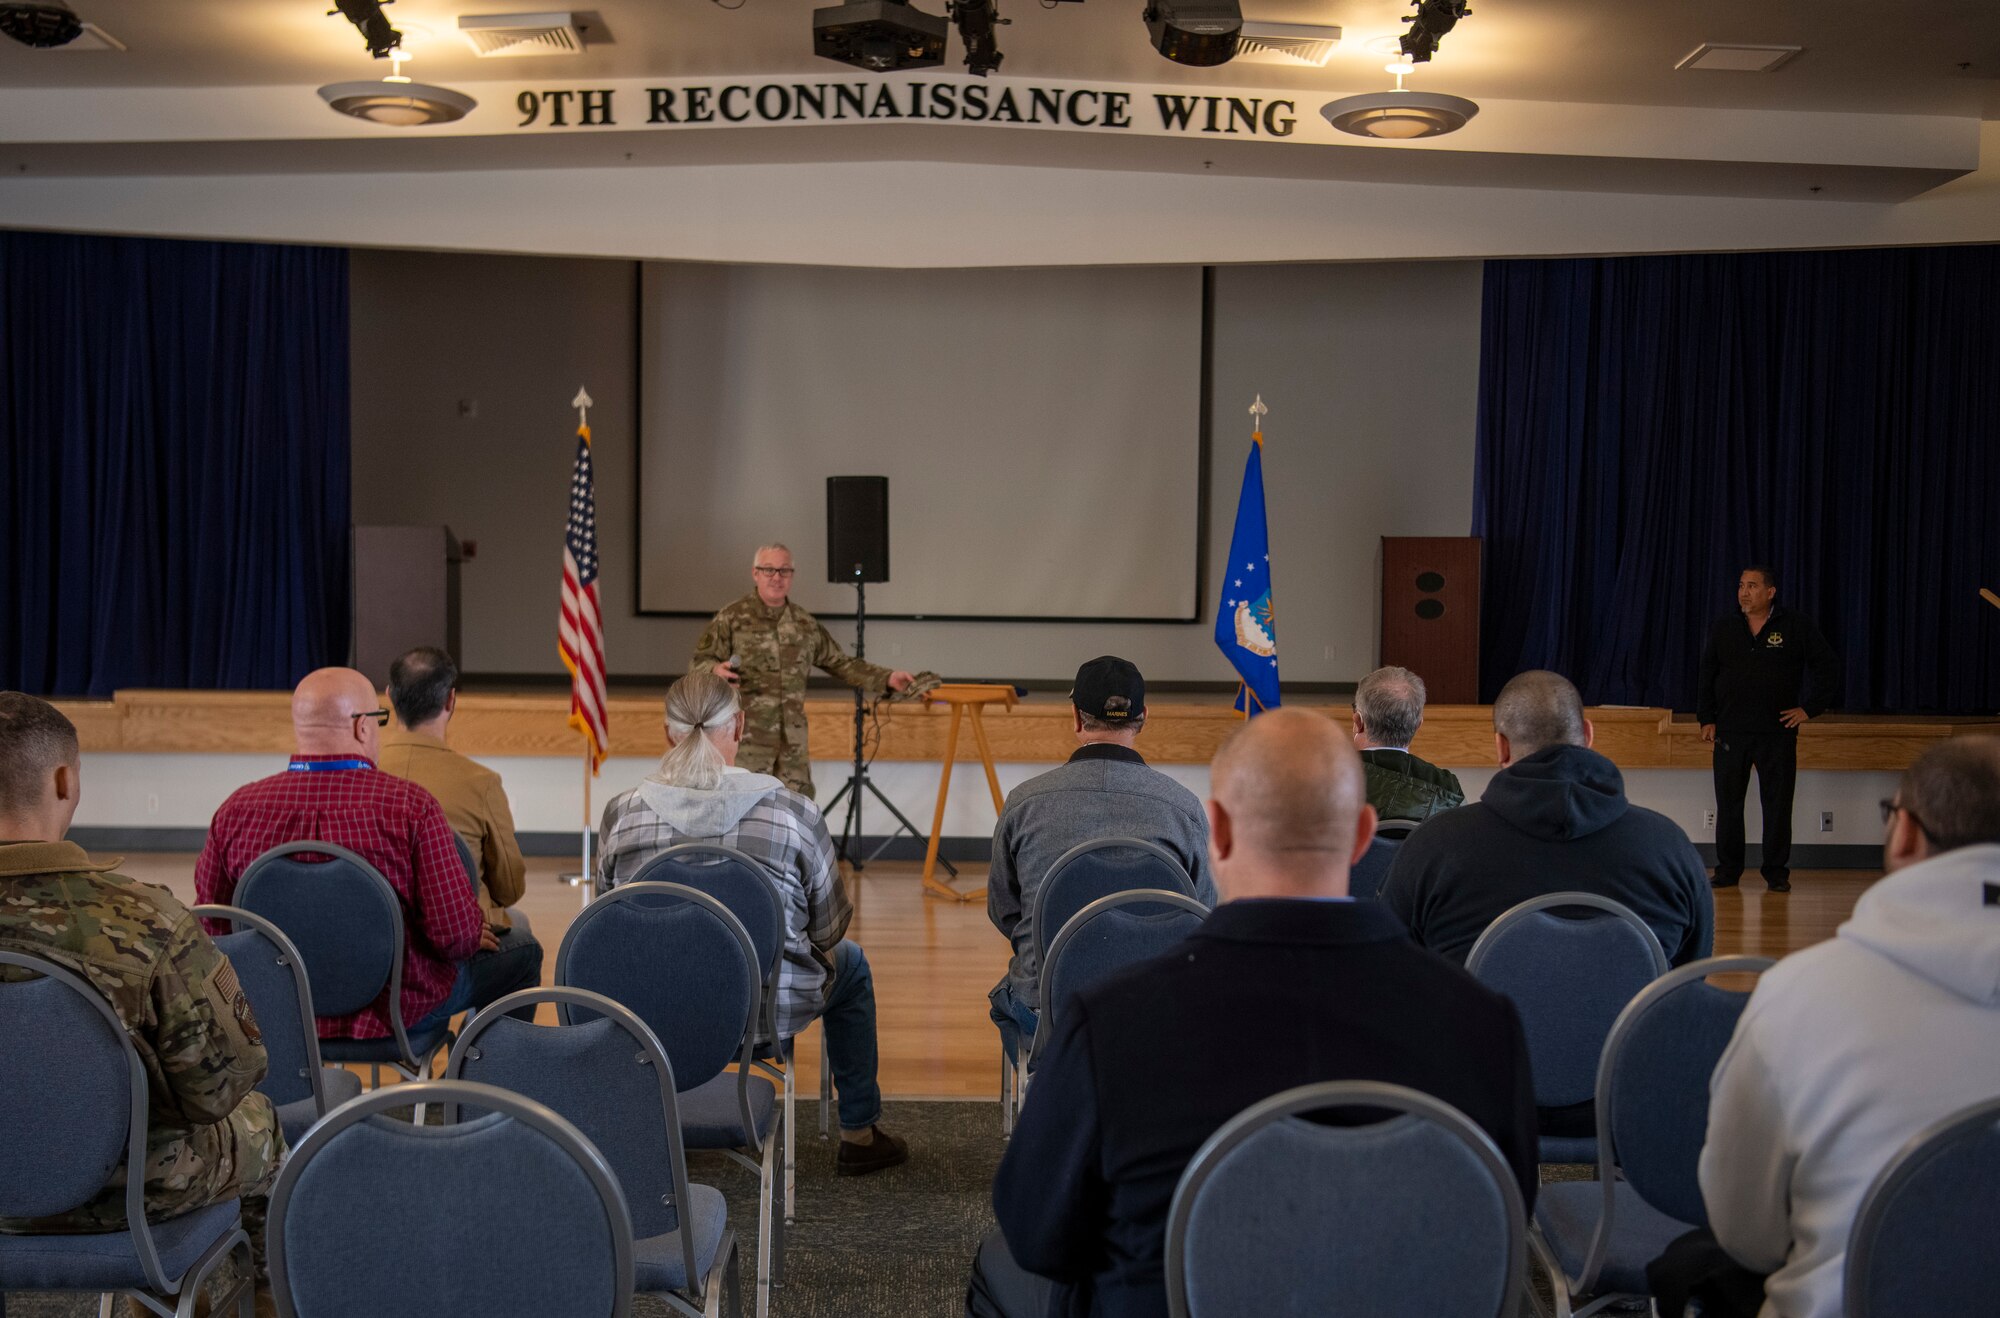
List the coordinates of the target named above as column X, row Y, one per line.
column 1537, row 710
column 696, row 705
column 1390, row 703
column 773, row 547
column 36, row 739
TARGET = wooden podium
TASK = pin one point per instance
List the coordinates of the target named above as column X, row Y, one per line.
column 965, row 698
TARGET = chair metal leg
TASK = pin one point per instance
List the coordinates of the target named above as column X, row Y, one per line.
column 766, row 1188
column 791, row 1154
column 825, row 1086
column 104, row 1305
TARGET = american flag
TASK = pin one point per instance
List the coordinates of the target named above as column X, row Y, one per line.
column 580, row 633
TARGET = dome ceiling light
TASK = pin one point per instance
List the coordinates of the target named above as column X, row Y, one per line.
column 397, row 102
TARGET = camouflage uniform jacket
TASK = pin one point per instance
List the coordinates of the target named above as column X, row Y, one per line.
column 211, row 1135
column 776, row 647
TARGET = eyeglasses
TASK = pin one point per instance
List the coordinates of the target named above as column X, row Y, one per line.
column 381, row 717
column 774, row 571
column 1889, row 809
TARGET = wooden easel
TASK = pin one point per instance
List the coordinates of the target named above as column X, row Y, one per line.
column 962, row 697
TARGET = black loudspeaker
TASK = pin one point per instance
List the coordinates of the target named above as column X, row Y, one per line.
column 857, row 528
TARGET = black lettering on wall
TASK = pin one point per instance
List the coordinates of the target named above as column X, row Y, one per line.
column 1242, row 113
column 975, row 100
column 530, row 106
column 1276, row 126
column 596, row 107
column 1038, row 100
column 765, row 102
column 558, row 103
column 662, row 109
column 1075, row 115
column 700, row 111
column 742, row 112
column 1006, row 111
column 944, row 101
column 846, row 96
column 1116, row 107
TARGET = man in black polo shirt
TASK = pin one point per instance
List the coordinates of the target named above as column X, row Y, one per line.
column 1764, row 671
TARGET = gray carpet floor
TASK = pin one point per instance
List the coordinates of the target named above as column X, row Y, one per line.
column 897, row 1244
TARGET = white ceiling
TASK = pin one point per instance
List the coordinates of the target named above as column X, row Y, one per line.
column 1940, row 57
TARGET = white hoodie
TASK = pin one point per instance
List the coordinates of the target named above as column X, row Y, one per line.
column 710, row 813
column 1846, row 1050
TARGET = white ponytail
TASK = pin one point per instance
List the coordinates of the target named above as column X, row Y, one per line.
column 696, row 705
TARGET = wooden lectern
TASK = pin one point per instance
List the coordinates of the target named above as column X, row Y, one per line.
column 964, row 698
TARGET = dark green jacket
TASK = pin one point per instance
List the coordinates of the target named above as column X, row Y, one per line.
column 1401, row 786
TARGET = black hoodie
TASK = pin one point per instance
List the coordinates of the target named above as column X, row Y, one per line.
column 1556, row 821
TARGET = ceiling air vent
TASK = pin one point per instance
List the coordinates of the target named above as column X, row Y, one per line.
column 1731, row 57
column 498, row 36
column 1287, row 43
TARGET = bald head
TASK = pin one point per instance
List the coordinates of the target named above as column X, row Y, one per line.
column 323, row 708
column 1535, row 711
column 1288, row 811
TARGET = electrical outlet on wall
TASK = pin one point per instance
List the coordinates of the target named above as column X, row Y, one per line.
column 1708, row 819
column 1826, row 821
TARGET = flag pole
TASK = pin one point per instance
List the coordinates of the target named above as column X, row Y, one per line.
column 589, row 772
column 583, row 403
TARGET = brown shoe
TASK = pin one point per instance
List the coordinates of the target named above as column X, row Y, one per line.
column 881, row 1152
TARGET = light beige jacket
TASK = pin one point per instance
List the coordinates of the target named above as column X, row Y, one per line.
column 475, row 804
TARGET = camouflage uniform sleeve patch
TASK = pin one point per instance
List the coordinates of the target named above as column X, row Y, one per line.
column 207, row 1045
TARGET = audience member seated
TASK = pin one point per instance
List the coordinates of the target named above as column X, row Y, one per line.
column 332, row 792
column 1288, row 983
column 1851, row 1047
column 1105, row 790
column 700, row 795
column 1388, row 710
column 212, row 1137
column 1554, row 819
column 423, row 689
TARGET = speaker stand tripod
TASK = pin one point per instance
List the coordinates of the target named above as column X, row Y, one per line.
column 859, row 780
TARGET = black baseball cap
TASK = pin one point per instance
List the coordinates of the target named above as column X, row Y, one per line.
column 1111, row 689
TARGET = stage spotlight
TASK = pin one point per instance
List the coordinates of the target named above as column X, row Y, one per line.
column 42, row 26
column 881, row 36
column 1197, row 32
column 1428, row 26
column 375, row 30
column 976, row 20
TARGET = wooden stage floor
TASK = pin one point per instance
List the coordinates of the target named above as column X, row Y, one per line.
column 934, row 960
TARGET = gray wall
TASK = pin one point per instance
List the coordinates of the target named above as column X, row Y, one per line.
column 1370, row 371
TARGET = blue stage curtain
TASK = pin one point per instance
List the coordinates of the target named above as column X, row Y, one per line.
column 1648, row 426
column 174, row 441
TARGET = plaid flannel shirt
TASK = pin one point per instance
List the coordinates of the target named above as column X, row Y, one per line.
column 785, row 833
column 392, row 824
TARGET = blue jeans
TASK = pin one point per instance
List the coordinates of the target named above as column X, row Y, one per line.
column 491, row 976
column 849, row 1021
column 1006, row 1008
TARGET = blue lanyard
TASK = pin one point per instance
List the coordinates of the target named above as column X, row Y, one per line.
column 325, row 766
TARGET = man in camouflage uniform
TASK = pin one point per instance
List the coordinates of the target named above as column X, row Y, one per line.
column 775, row 642
column 211, row 1136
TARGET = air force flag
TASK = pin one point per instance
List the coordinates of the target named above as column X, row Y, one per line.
column 1246, row 627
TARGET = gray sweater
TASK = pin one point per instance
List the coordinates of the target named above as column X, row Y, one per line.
column 1104, row 791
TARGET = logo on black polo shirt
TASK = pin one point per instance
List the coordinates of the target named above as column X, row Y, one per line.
column 1774, row 639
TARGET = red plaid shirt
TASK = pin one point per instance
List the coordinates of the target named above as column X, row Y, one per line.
column 391, row 823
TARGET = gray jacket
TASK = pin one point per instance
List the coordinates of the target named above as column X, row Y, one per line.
column 1104, row 791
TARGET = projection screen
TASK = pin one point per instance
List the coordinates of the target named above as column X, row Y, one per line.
column 1040, row 429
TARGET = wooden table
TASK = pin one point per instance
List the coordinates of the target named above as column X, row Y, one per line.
column 964, row 698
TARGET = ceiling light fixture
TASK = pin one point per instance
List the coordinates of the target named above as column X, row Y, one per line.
column 1199, row 33
column 376, row 32
column 1428, row 26
column 43, row 26
column 397, row 102
column 880, row 35
column 1399, row 116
